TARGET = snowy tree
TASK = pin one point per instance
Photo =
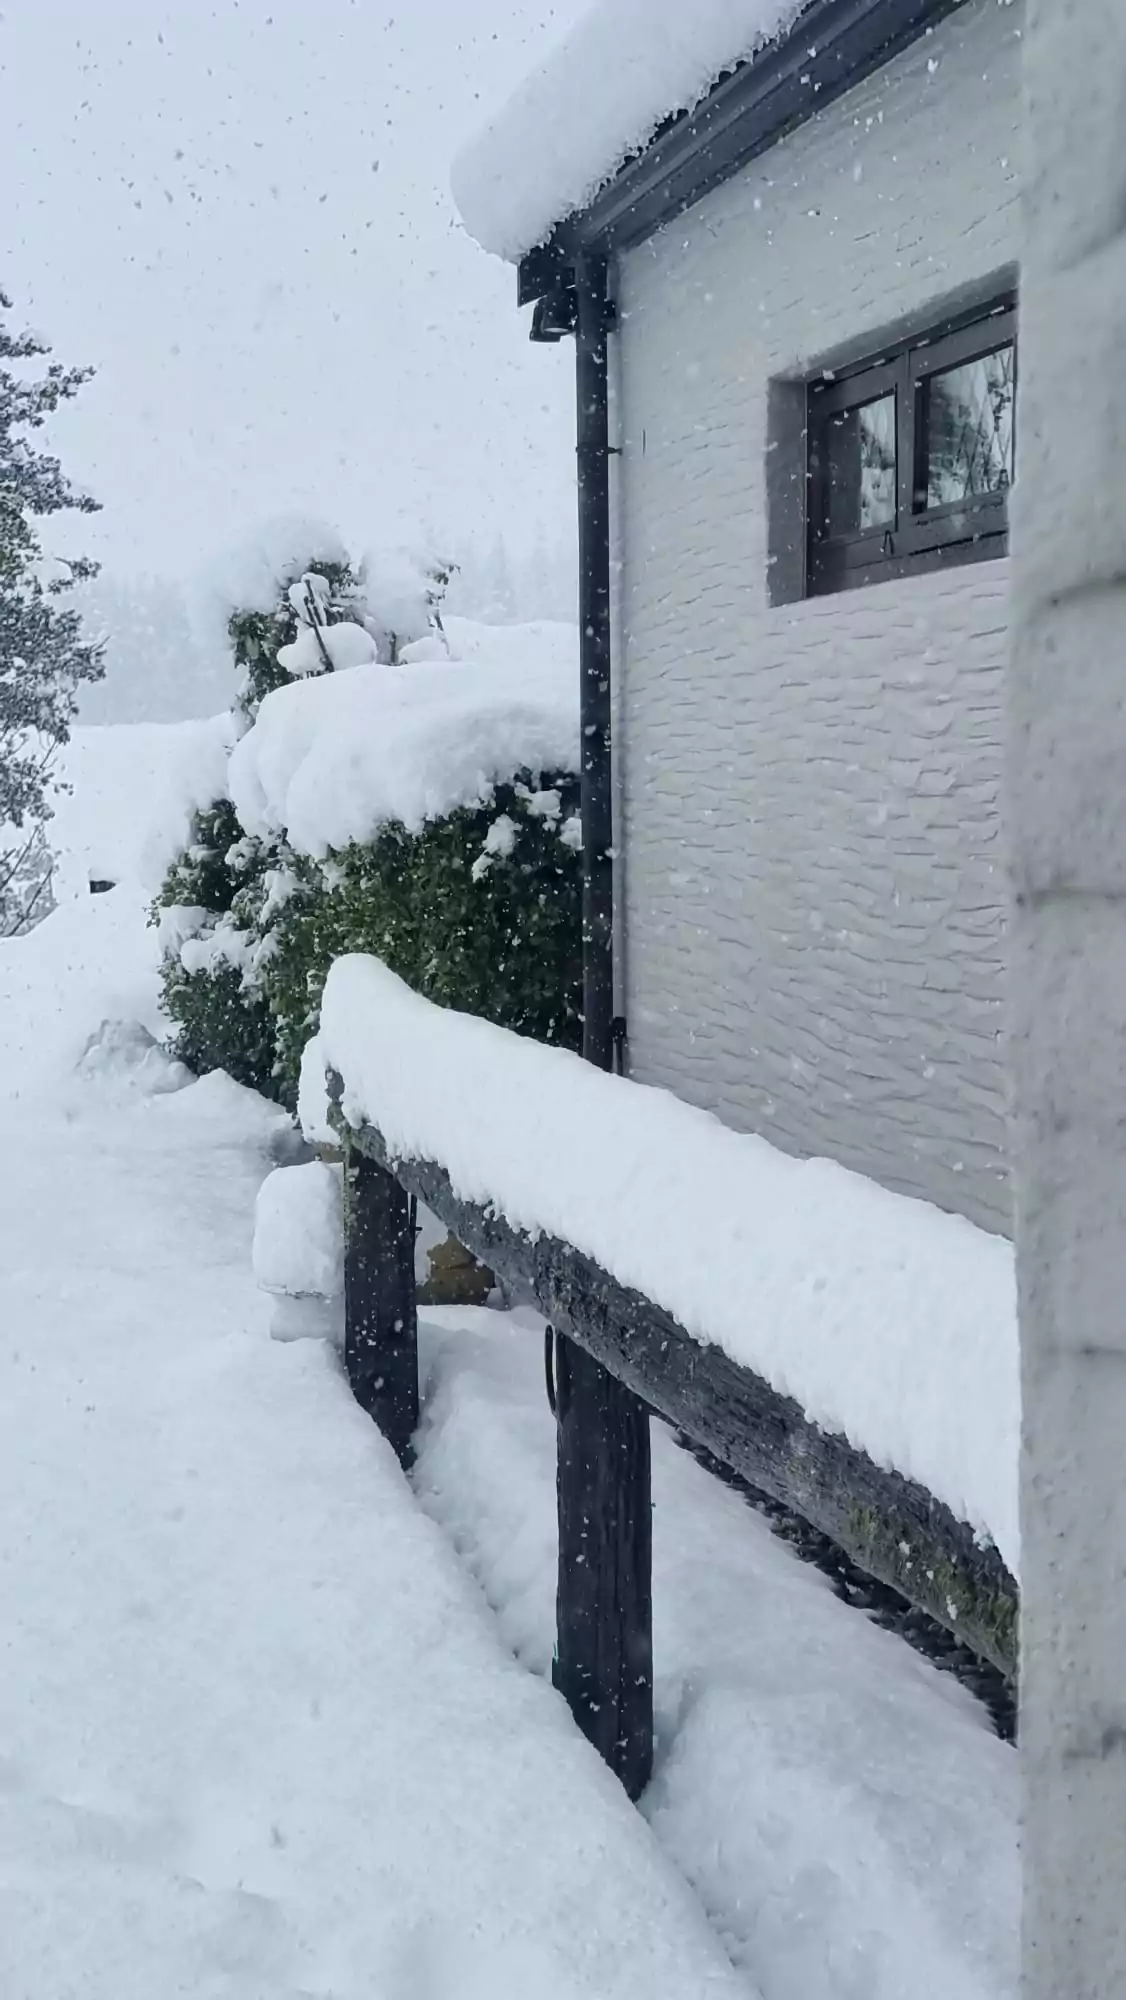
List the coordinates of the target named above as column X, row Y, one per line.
column 44, row 658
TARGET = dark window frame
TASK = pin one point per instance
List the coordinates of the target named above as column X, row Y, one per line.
column 920, row 539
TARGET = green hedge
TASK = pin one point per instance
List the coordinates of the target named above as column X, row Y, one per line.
column 490, row 925
column 506, row 945
column 257, row 636
column 222, row 1020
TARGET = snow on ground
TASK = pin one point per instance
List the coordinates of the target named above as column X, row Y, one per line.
column 330, row 760
column 132, row 789
column 624, row 68
column 841, row 1807
column 259, row 1735
column 885, row 1318
column 48, row 1007
column 262, row 1737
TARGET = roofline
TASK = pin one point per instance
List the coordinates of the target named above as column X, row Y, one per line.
column 832, row 45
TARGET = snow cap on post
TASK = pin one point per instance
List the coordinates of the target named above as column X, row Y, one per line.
column 625, row 67
column 299, row 1231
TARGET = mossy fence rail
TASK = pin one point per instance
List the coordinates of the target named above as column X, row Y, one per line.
column 618, row 1359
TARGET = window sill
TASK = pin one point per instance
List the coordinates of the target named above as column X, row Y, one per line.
column 827, row 578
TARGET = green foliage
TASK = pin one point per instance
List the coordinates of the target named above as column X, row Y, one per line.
column 257, row 636
column 44, row 658
column 480, row 910
column 205, row 874
column 492, row 934
column 342, row 597
column 506, row 945
column 219, row 1025
column 222, row 1020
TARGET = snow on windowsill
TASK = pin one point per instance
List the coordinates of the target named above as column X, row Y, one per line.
column 888, row 1320
column 625, row 67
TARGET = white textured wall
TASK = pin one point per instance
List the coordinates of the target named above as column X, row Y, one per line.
column 1067, row 737
column 812, row 878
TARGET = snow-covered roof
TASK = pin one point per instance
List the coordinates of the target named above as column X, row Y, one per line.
column 626, row 67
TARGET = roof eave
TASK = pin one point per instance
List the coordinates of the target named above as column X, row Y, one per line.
column 832, row 45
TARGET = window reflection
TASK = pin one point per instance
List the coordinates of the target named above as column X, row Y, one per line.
column 968, row 434
column 860, row 467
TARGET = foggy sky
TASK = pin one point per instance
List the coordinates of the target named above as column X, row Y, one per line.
column 238, row 211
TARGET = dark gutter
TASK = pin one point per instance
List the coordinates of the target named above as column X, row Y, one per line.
column 833, row 45
column 592, row 451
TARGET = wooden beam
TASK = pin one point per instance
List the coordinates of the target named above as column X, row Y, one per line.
column 604, row 1606
column 380, row 1317
column 889, row 1525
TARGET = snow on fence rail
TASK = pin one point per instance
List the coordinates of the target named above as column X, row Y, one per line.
column 850, row 1351
column 888, row 1321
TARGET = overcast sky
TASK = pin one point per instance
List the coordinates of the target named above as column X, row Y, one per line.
column 238, row 211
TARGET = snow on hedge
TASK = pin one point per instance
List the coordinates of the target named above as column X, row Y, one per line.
column 886, row 1319
column 245, row 578
column 332, row 647
column 128, row 792
column 331, row 760
column 552, row 641
column 394, row 596
column 625, row 67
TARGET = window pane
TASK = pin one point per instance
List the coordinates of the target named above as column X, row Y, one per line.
column 859, row 447
column 968, row 432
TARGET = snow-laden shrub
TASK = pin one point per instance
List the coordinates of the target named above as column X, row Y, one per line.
column 211, row 893
column 479, row 909
column 244, row 972
column 268, row 645
column 505, row 943
column 221, row 1017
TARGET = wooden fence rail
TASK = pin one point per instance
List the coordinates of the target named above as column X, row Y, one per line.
column 887, row 1524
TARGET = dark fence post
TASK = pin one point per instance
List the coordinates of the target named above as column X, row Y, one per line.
column 604, row 1614
column 380, row 1317
column 604, row 1606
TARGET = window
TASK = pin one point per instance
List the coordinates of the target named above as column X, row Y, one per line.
column 911, row 456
